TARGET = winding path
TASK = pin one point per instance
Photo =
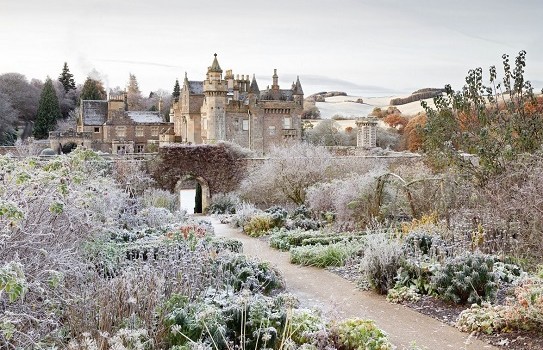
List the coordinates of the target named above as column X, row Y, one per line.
column 339, row 297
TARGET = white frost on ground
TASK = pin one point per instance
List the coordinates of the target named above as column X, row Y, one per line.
column 346, row 107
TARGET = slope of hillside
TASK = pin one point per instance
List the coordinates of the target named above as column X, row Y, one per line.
column 346, row 107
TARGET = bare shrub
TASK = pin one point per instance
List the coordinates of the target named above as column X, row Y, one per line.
column 287, row 174
column 351, row 200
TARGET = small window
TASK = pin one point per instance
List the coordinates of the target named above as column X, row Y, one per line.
column 154, row 130
column 96, row 129
column 139, row 131
column 245, row 125
column 120, row 131
column 287, row 123
column 140, row 148
column 271, row 130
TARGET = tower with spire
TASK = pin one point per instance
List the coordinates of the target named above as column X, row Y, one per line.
column 213, row 109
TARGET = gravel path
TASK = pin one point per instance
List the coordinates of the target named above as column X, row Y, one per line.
column 339, row 298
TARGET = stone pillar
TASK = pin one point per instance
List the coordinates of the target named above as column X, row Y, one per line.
column 366, row 136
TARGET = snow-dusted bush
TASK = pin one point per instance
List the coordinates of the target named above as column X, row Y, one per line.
column 467, row 278
column 158, row 198
column 224, row 203
column 244, row 212
column 381, row 260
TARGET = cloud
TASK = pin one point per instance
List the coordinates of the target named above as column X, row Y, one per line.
column 144, row 63
column 316, row 83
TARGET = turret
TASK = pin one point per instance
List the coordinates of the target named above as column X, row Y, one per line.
column 253, row 88
column 298, row 92
column 275, row 85
column 214, row 73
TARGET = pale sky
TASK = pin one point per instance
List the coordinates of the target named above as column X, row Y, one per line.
column 358, row 46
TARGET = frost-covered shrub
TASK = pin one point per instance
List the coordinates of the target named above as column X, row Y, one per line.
column 507, row 273
column 159, row 198
column 423, row 251
column 484, row 318
column 242, row 272
column 287, row 173
column 244, row 213
column 224, row 203
column 399, row 294
column 53, row 206
column 304, row 323
column 467, row 278
column 278, row 215
column 380, row 261
column 303, row 224
column 526, row 309
column 357, row 333
column 258, row 225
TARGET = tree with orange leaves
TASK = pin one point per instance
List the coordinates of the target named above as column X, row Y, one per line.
column 396, row 121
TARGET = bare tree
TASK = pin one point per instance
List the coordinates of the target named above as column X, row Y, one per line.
column 8, row 119
column 24, row 96
column 287, row 173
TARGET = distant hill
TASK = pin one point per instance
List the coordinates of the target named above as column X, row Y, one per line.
column 418, row 95
column 321, row 96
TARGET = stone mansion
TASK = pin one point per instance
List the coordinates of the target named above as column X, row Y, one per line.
column 219, row 108
column 235, row 109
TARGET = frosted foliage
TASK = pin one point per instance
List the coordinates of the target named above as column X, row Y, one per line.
column 288, row 172
column 48, row 210
column 349, row 199
column 381, row 261
column 132, row 176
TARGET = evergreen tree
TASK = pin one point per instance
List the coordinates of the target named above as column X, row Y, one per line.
column 176, row 91
column 93, row 90
column 67, row 78
column 135, row 99
column 48, row 111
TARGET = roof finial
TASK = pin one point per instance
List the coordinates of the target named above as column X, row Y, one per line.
column 215, row 55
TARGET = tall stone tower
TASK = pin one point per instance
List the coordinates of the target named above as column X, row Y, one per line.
column 213, row 108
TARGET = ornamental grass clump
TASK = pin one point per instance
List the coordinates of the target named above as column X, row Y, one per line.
column 323, row 255
column 468, row 278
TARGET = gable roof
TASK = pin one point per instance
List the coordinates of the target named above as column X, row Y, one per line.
column 94, row 112
column 196, row 87
column 141, row 117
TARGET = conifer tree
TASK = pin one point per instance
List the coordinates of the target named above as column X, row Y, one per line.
column 176, row 91
column 135, row 99
column 67, row 78
column 48, row 111
column 93, row 90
